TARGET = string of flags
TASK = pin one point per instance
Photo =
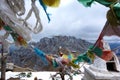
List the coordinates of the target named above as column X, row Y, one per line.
column 11, row 12
column 113, row 14
column 12, row 22
column 112, row 26
column 102, row 51
column 100, row 48
column 61, row 60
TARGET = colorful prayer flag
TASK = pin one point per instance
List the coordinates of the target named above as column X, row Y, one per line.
column 41, row 54
column 51, row 3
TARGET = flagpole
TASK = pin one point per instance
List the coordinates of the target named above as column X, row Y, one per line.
column 101, row 34
column 3, row 63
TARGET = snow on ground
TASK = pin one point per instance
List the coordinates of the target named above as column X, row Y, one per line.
column 40, row 75
column 44, row 75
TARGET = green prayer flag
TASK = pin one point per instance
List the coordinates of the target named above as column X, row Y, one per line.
column 86, row 58
column 116, row 8
column 97, row 51
column 86, row 3
column 82, row 58
column 54, row 63
column 106, row 3
column 7, row 28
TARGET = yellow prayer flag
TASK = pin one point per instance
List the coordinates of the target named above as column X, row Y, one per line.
column 65, row 56
column 52, row 3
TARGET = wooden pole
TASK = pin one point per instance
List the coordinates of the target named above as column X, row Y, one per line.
column 3, row 63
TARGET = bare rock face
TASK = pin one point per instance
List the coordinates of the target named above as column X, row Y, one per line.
column 25, row 57
column 51, row 45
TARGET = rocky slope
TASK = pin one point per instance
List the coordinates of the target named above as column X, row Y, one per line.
column 25, row 57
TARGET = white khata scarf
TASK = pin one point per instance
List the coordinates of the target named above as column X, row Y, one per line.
column 11, row 12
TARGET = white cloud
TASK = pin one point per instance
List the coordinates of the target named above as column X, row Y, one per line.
column 65, row 2
column 74, row 19
column 71, row 18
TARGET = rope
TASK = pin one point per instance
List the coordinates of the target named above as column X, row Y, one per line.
column 82, row 65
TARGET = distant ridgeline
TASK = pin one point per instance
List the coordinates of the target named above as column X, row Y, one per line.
column 25, row 57
column 116, row 47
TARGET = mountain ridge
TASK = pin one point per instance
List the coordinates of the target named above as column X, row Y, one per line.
column 26, row 57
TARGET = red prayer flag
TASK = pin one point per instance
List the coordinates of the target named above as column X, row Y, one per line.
column 107, row 55
column 108, row 30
